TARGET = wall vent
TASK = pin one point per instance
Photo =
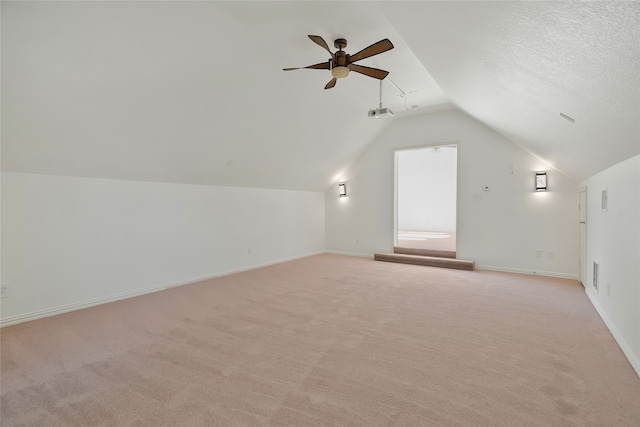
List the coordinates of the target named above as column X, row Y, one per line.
column 596, row 274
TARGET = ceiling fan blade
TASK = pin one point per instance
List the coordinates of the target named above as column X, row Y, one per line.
column 320, row 66
column 374, row 49
column 368, row 71
column 320, row 42
column 331, row 83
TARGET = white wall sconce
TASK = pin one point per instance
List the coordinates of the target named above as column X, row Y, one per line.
column 541, row 181
column 342, row 190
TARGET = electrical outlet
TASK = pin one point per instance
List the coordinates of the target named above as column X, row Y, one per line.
column 4, row 291
column 608, row 289
column 551, row 254
column 249, row 251
column 538, row 253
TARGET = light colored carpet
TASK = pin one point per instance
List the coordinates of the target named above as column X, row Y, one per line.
column 326, row 340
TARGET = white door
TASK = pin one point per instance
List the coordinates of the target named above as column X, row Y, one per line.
column 582, row 223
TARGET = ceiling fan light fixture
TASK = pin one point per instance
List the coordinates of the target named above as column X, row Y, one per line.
column 339, row 72
column 340, row 63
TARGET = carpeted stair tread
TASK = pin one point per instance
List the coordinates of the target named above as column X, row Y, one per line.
column 424, row 252
column 459, row 264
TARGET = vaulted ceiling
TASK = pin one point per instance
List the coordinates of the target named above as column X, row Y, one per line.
column 194, row 92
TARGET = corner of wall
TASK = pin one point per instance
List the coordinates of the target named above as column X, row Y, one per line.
column 613, row 241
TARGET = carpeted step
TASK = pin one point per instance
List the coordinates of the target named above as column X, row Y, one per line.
column 459, row 264
column 424, row 252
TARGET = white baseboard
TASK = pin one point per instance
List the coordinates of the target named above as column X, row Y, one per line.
column 39, row 314
column 358, row 254
column 527, row 271
column 633, row 358
column 482, row 267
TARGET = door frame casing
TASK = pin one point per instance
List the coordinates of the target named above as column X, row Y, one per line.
column 582, row 263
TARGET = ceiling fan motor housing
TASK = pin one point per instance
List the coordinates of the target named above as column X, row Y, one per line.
column 340, row 63
column 339, row 69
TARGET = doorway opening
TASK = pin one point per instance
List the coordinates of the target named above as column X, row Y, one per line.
column 426, row 198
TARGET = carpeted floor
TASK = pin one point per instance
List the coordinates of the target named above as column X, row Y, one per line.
column 326, row 340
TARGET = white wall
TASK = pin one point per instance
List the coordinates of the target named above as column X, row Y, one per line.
column 427, row 189
column 68, row 241
column 613, row 241
column 500, row 229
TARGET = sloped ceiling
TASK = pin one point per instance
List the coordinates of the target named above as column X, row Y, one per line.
column 517, row 65
column 194, row 92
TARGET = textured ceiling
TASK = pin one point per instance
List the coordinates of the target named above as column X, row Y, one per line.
column 194, row 92
column 516, row 66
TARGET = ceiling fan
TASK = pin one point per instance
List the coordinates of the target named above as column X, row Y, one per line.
column 342, row 63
